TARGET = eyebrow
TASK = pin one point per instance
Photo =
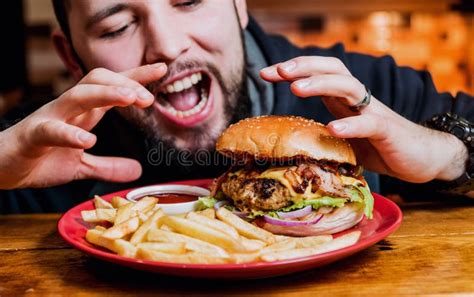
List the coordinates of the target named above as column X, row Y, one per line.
column 105, row 13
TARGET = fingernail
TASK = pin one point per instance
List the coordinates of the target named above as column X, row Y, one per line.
column 339, row 126
column 302, row 84
column 160, row 66
column 144, row 95
column 288, row 66
column 125, row 92
column 266, row 70
column 84, row 137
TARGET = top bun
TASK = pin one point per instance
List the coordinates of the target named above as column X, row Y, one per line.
column 283, row 137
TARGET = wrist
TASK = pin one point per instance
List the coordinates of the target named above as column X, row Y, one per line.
column 455, row 157
column 10, row 161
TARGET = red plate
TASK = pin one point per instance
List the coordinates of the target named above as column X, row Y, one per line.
column 387, row 218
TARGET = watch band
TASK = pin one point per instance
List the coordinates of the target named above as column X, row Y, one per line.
column 464, row 131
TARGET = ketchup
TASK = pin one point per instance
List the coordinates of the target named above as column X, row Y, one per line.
column 169, row 198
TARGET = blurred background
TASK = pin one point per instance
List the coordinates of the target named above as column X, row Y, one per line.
column 436, row 35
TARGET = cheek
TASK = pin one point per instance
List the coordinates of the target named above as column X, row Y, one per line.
column 224, row 43
column 117, row 56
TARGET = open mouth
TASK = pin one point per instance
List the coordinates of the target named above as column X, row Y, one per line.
column 185, row 101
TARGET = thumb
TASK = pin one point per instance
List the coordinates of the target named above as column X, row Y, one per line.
column 109, row 168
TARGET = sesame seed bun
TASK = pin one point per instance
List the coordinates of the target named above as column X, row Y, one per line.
column 283, row 137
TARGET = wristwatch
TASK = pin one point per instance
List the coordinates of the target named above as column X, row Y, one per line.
column 464, row 130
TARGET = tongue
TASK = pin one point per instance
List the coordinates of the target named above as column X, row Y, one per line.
column 184, row 100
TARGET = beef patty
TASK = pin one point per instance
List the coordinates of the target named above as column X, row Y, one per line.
column 256, row 193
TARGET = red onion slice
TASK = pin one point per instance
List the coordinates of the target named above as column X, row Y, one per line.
column 296, row 213
column 291, row 223
column 240, row 214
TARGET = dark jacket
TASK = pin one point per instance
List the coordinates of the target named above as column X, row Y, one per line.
column 410, row 93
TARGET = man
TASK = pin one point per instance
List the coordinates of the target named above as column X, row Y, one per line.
column 179, row 72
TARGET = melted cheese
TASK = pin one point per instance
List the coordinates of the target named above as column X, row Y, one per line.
column 347, row 180
column 279, row 175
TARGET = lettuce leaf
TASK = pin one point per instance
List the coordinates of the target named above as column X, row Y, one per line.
column 315, row 203
column 206, row 202
column 368, row 200
column 359, row 194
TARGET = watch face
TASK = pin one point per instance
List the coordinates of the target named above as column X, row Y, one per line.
column 460, row 131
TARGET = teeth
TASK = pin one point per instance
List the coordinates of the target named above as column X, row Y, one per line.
column 204, row 92
column 178, row 86
column 170, row 89
column 196, row 109
column 183, row 84
column 194, row 79
column 187, row 83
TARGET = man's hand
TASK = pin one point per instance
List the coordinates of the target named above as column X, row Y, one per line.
column 47, row 147
column 383, row 140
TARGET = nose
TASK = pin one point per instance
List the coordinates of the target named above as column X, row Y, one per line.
column 165, row 41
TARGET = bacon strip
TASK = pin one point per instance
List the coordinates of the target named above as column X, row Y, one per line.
column 217, row 182
column 329, row 183
column 290, row 175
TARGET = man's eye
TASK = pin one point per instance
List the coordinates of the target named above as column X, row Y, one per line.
column 116, row 33
column 188, row 3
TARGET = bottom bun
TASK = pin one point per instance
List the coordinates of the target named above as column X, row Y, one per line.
column 339, row 220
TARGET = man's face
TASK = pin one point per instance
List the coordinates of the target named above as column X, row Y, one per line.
column 201, row 43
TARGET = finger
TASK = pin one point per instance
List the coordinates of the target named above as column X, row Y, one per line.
column 306, row 66
column 89, row 120
column 83, row 98
column 59, row 134
column 345, row 87
column 147, row 73
column 369, row 126
column 131, row 78
column 108, row 168
column 271, row 74
column 134, row 78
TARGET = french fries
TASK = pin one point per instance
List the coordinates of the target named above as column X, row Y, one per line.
column 209, row 212
column 99, row 215
column 245, row 228
column 204, row 233
column 192, row 244
column 194, row 258
column 214, row 224
column 142, row 230
column 123, row 213
column 170, row 248
column 121, row 230
column 335, row 244
column 101, row 203
column 118, row 201
column 119, row 246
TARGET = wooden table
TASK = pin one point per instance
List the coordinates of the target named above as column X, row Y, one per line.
column 432, row 253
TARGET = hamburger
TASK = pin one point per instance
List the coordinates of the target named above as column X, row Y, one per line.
column 290, row 177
